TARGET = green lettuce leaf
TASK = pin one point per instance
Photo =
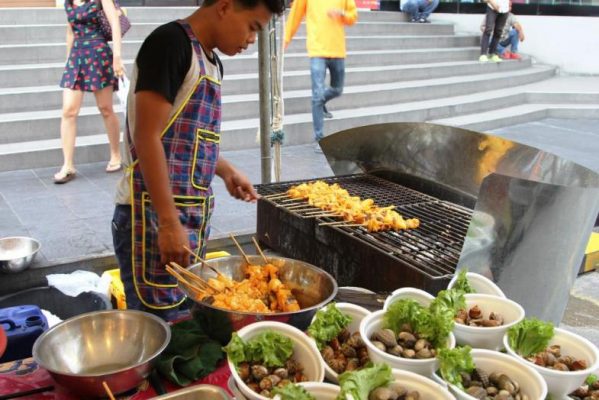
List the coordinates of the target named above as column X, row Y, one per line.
column 452, row 362
column 530, row 336
column 270, row 348
column 452, row 299
column 361, row 382
column 591, row 379
column 329, row 322
column 406, row 311
column 462, row 282
column 293, row 392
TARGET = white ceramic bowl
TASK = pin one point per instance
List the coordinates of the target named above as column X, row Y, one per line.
column 531, row 382
column 480, row 283
column 488, row 338
column 561, row 383
column 422, row 297
column 424, row 367
column 357, row 314
column 304, row 352
column 427, row 388
column 234, row 389
column 322, row 391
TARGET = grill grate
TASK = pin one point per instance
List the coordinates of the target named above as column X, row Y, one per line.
column 433, row 249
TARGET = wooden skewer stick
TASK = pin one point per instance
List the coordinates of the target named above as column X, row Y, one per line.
column 108, row 391
column 247, row 260
column 276, row 196
column 200, row 259
column 294, row 199
column 316, row 213
column 195, row 290
column 259, row 250
column 197, row 279
column 339, row 223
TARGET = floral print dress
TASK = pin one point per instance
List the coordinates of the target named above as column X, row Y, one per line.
column 89, row 67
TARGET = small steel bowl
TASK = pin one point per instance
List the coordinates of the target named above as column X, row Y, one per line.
column 311, row 286
column 116, row 346
column 17, row 253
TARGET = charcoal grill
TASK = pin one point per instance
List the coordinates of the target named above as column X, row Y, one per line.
column 509, row 211
column 424, row 257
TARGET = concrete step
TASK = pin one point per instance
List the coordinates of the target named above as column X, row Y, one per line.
column 55, row 33
column 299, row 101
column 36, row 98
column 56, row 52
column 23, row 16
column 41, row 125
column 242, row 133
column 520, row 114
column 46, row 74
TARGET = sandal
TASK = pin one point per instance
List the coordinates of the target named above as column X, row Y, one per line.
column 64, row 176
column 114, row 167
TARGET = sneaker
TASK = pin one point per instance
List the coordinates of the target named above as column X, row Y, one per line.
column 326, row 112
column 413, row 19
column 515, row 56
column 483, row 58
column 317, row 148
column 495, row 58
column 506, row 55
column 424, row 21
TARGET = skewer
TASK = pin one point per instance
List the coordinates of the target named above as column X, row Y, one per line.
column 275, row 195
column 321, row 213
column 188, row 284
column 108, row 391
column 290, row 200
column 201, row 282
column 247, row 260
column 260, row 250
column 339, row 223
column 302, row 207
column 201, row 260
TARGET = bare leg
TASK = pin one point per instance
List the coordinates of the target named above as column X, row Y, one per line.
column 111, row 122
column 71, row 104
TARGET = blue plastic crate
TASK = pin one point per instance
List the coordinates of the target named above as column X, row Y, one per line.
column 23, row 325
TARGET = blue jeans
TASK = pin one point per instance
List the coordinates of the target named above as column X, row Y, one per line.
column 419, row 8
column 320, row 93
column 512, row 41
column 121, row 239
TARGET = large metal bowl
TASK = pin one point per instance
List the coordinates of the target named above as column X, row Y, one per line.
column 17, row 253
column 116, row 347
column 311, row 286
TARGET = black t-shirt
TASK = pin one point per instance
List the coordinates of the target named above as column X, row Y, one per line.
column 164, row 59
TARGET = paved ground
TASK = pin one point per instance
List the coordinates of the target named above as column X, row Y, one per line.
column 73, row 221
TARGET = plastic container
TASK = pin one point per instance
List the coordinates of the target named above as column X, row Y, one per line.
column 117, row 289
column 480, row 283
column 23, row 325
column 58, row 303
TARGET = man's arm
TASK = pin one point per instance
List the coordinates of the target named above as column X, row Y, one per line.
column 151, row 117
column 520, row 30
column 297, row 13
column 237, row 183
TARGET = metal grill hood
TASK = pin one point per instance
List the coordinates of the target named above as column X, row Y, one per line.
column 533, row 210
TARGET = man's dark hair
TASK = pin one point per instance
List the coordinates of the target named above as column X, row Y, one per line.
column 274, row 6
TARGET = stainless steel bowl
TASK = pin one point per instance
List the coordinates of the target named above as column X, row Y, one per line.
column 17, row 253
column 204, row 392
column 311, row 286
column 115, row 346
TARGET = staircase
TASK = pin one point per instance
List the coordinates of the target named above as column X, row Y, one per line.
column 395, row 71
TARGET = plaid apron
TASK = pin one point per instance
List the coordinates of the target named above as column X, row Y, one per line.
column 191, row 144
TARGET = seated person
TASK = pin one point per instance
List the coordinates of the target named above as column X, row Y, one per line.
column 511, row 36
column 419, row 10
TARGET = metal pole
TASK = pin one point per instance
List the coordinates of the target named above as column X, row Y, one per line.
column 265, row 107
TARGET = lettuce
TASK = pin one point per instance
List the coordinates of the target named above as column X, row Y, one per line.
column 452, row 362
column 434, row 323
column 462, row 282
column 329, row 322
column 591, row 379
column 452, row 299
column 359, row 383
column 270, row 348
column 292, row 392
column 530, row 336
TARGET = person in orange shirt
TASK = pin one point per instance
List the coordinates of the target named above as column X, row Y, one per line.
column 325, row 26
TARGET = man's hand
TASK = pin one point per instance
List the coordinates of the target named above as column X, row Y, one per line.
column 521, row 36
column 336, row 13
column 171, row 239
column 494, row 5
column 239, row 186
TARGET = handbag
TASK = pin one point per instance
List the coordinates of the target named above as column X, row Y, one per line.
column 104, row 23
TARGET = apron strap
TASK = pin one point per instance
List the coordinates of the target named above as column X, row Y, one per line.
column 196, row 44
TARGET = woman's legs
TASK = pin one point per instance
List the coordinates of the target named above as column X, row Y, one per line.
column 111, row 122
column 71, row 104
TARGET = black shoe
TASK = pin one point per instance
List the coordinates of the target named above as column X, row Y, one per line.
column 326, row 112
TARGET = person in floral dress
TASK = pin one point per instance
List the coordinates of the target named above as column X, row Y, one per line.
column 92, row 66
